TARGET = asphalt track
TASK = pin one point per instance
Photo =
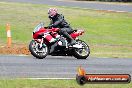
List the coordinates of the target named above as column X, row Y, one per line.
column 63, row 67
column 89, row 5
column 59, row 67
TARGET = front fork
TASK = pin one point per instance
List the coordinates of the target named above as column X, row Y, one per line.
column 40, row 42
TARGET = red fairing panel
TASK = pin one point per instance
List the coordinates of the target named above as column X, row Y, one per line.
column 42, row 30
column 76, row 34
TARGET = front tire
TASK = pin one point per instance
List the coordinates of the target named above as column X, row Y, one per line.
column 82, row 53
column 37, row 52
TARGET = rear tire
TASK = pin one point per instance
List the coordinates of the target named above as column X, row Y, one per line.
column 36, row 52
column 78, row 53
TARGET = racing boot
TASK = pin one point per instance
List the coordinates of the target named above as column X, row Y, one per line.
column 73, row 42
column 70, row 39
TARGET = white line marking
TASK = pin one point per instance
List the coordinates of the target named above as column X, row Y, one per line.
column 118, row 11
column 22, row 55
column 50, row 78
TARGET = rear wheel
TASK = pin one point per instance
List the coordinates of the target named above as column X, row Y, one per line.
column 37, row 51
column 82, row 53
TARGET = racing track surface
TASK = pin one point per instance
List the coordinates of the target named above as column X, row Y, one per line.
column 63, row 67
column 89, row 5
column 59, row 67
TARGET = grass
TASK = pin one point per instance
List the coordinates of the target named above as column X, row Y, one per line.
column 19, row 83
column 109, row 34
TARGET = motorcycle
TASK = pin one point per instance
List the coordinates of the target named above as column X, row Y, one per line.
column 48, row 41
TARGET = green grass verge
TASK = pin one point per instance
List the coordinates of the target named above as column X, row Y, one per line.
column 55, row 84
column 109, row 34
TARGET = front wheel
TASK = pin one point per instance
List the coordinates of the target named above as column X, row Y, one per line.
column 37, row 51
column 82, row 53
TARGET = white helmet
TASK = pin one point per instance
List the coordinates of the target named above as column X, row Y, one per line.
column 52, row 12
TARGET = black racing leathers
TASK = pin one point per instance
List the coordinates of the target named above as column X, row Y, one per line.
column 58, row 21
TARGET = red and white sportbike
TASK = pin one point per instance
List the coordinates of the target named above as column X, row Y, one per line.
column 48, row 41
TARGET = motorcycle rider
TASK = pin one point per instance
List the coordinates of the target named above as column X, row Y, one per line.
column 58, row 21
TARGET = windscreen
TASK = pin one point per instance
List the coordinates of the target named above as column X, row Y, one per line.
column 38, row 27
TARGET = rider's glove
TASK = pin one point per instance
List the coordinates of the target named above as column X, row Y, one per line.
column 50, row 26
